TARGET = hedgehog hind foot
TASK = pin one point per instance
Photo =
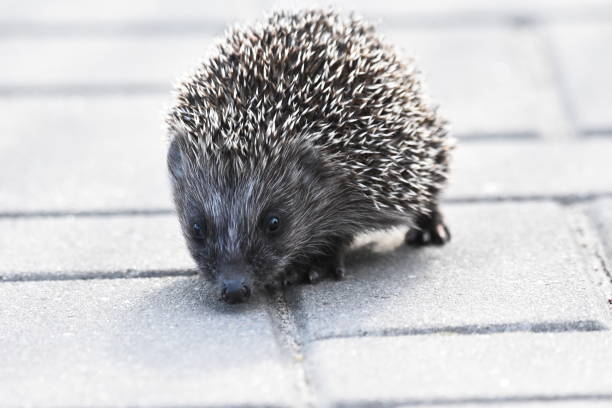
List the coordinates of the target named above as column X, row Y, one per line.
column 430, row 230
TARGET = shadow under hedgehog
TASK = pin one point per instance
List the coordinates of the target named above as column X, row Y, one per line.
column 295, row 135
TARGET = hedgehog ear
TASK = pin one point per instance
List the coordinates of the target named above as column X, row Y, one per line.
column 311, row 160
column 312, row 165
column 175, row 160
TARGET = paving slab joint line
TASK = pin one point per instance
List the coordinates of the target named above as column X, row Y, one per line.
column 20, row 28
column 492, row 137
column 95, row 275
column 545, row 327
column 85, row 89
column 564, row 199
column 485, row 401
column 592, row 132
column 589, row 240
column 287, row 336
column 87, row 213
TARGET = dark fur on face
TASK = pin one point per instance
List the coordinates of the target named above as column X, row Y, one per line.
column 265, row 224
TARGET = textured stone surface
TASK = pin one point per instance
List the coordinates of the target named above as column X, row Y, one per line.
column 83, row 153
column 150, row 62
column 531, row 169
column 134, row 342
column 464, row 12
column 585, row 62
column 426, row 368
column 70, row 11
column 476, row 73
column 118, row 245
column 508, row 267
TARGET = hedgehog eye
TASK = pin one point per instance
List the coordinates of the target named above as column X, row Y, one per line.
column 273, row 224
column 197, row 231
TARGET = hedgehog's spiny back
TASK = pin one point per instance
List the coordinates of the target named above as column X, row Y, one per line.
column 315, row 75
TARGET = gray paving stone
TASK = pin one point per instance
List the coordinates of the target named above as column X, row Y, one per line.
column 83, row 246
column 509, row 267
column 487, row 80
column 454, row 12
column 600, row 213
column 68, row 11
column 102, row 61
column 112, row 11
column 83, row 153
column 424, row 368
column 583, row 51
column 135, row 342
column 529, row 168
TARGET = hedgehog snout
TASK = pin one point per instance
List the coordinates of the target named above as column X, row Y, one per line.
column 235, row 287
column 235, row 291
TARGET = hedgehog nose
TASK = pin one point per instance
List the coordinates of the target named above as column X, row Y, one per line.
column 235, row 291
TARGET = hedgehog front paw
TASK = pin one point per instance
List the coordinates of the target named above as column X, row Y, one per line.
column 430, row 231
column 329, row 266
column 317, row 274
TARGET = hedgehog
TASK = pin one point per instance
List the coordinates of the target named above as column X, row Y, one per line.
column 293, row 136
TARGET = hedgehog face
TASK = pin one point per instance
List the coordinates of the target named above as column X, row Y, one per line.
column 247, row 224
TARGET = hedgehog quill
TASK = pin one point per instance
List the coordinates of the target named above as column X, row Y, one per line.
column 298, row 133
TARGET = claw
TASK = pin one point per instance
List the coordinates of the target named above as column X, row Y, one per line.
column 339, row 272
column 314, row 276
